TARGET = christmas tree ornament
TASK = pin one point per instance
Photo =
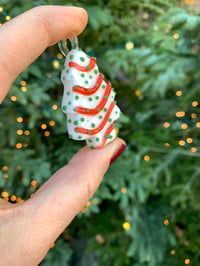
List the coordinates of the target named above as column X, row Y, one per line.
column 88, row 100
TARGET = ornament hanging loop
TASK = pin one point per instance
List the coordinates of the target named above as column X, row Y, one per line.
column 63, row 44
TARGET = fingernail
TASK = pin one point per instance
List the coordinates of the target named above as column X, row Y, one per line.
column 118, row 153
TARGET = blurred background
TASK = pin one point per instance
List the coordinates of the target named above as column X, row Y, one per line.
column 146, row 211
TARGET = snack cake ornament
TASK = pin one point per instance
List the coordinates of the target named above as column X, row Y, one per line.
column 88, row 100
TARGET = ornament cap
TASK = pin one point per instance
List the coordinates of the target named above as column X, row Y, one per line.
column 63, row 44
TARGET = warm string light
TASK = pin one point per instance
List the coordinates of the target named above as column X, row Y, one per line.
column 173, row 252
column 124, row 190
column 166, row 222
column 176, row 36
column 187, row 261
column 166, row 124
column 54, row 107
column 195, row 103
column 146, row 158
column 126, row 226
column 178, row 93
column 129, row 45
column 180, row 114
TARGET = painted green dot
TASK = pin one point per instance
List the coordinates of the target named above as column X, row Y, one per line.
column 89, row 90
column 92, row 147
column 105, row 109
column 108, row 136
column 97, row 97
column 90, row 141
column 69, row 120
column 104, row 86
column 76, row 97
column 89, row 132
column 106, row 97
column 76, row 130
column 95, row 71
column 70, row 136
column 98, row 109
column 90, row 76
column 74, row 109
column 88, row 67
column 79, row 137
column 71, row 76
column 64, row 107
column 75, row 122
column 82, row 59
column 79, row 49
column 86, row 81
column 67, row 71
column 109, row 120
column 116, row 112
column 71, row 57
column 88, row 110
column 82, row 119
column 82, row 75
column 76, row 87
column 97, row 139
column 113, row 89
column 93, row 125
column 69, row 103
column 97, row 85
column 68, row 93
column 90, row 99
column 63, row 78
column 100, row 116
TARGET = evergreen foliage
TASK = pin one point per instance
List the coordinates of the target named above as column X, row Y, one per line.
column 146, row 211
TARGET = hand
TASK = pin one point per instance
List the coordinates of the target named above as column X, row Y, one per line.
column 28, row 229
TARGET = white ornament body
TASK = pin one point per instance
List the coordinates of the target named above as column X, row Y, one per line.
column 88, row 101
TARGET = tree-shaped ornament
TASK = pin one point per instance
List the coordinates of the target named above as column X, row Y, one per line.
column 88, row 100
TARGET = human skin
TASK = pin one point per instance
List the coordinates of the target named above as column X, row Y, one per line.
column 27, row 230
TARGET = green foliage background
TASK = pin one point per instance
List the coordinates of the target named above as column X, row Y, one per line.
column 154, row 185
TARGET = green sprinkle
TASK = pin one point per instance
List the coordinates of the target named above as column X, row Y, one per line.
column 72, row 77
column 82, row 75
column 108, row 136
column 82, row 119
column 104, row 86
column 76, row 97
column 63, row 78
column 95, row 71
column 113, row 89
column 70, row 136
column 106, row 97
column 97, row 85
column 67, row 71
column 92, row 147
column 75, row 122
column 69, row 120
column 90, row 140
column 76, row 130
column 105, row 109
column 88, row 110
column 89, row 90
column 100, row 116
column 82, row 59
column 116, row 112
column 74, row 109
column 97, row 139
column 97, row 97
column 88, row 67
column 90, row 99
column 109, row 120
column 89, row 131
column 71, row 57
column 98, row 109
column 93, row 125
column 76, row 87
column 68, row 93
column 64, row 107
column 79, row 137
column 90, row 76
column 86, row 81
column 69, row 103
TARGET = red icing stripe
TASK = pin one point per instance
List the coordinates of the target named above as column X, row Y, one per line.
column 100, row 127
column 84, row 68
column 100, row 106
column 108, row 131
column 84, row 91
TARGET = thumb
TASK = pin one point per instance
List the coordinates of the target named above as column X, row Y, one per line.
column 57, row 202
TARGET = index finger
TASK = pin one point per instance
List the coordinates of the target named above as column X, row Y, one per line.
column 25, row 37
